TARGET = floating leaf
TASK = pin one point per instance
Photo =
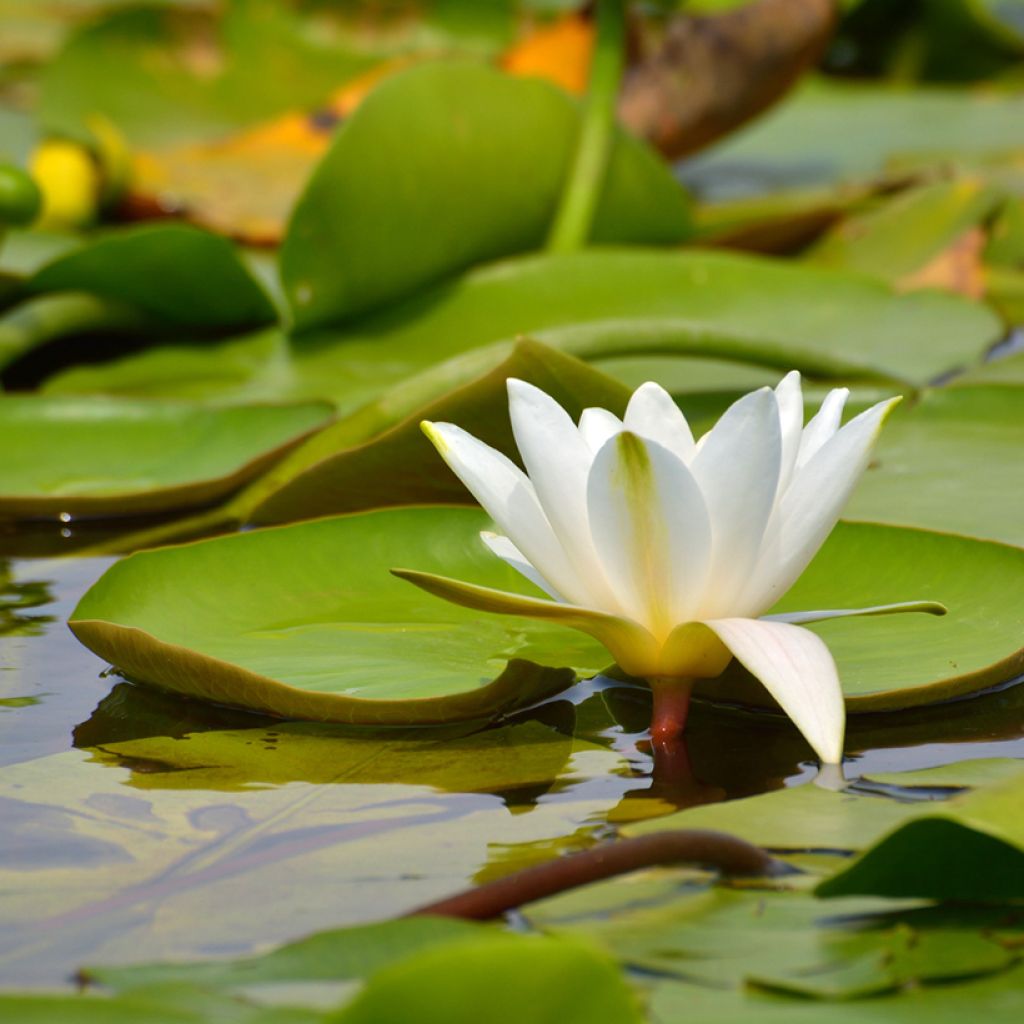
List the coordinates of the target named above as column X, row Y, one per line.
column 178, row 275
column 542, row 979
column 456, row 164
column 834, row 130
column 904, row 235
column 604, row 303
column 118, row 457
column 316, row 627
column 952, row 462
column 968, row 848
column 888, row 664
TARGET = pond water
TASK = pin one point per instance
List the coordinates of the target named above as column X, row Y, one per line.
column 140, row 826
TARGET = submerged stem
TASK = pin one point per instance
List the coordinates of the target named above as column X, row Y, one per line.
column 571, row 227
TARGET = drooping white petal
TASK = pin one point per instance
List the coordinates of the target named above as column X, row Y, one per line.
column 823, row 425
column 797, row 669
column 737, row 470
column 509, row 499
column 558, row 460
column 791, row 422
column 512, row 556
column 632, row 646
column 651, row 413
column 811, row 506
column 802, row 618
column 651, row 530
column 596, row 426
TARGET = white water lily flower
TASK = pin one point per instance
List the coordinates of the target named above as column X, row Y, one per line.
column 666, row 549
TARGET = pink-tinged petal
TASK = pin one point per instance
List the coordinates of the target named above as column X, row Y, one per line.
column 791, row 422
column 653, row 414
column 802, row 618
column 651, row 530
column 811, row 506
column 823, row 425
column 632, row 647
column 798, row 670
column 509, row 499
column 558, row 460
column 515, row 559
column 597, row 426
column 737, row 470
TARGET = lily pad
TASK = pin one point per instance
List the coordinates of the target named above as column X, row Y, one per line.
column 315, row 627
column 177, row 275
column 969, row 848
column 951, row 462
column 906, row 661
column 118, row 457
column 833, row 130
column 599, row 304
column 446, row 165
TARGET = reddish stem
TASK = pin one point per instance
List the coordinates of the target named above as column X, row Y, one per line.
column 671, row 706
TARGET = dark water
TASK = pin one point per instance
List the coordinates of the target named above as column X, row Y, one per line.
column 136, row 825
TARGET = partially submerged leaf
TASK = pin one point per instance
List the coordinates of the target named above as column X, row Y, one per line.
column 968, row 848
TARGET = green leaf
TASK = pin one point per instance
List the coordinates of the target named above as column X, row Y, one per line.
column 178, row 275
column 907, row 660
column 951, row 462
column 337, row 955
column 166, row 75
column 298, row 636
column 903, row 234
column 540, row 979
column 179, row 1004
column 378, row 457
column 610, row 303
column 316, row 627
column 118, row 457
column 446, row 165
column 969, row 848
column 833, row 130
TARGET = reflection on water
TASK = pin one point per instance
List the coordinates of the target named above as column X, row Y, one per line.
column 138, row 825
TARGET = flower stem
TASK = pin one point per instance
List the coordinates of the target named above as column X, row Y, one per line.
column 571, row 227
column 671, row 707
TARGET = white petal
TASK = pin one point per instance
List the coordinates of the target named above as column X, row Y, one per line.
column 512, row 556
column 596, row 426
column 811, row 506
column 651, row 413
column 797, row 669
column 737, row 470
column 509, row 499
column 650, row 527
column 791, row 421
column 802, row 618
column 558, row 460
column 823, row 425
column 632, row 647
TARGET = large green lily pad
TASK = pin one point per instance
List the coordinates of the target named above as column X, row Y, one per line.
column 117, row 457
column 951, row 462
column 902, row 661
column 446, row 165
column 599, row 304
column 305, row 621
